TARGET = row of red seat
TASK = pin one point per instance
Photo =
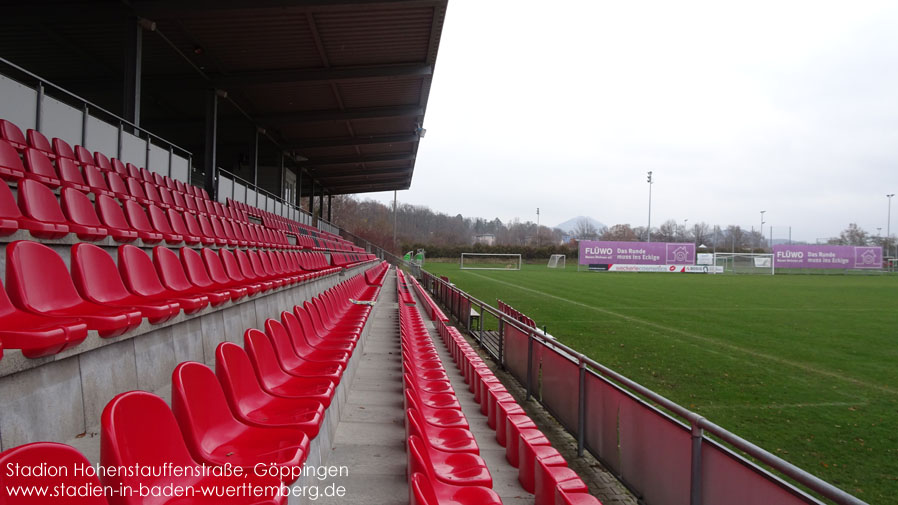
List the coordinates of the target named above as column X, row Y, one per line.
column 405, row 294
column 113, row 299
column 515, row 314
column 39, row 212
column 80, row 156
column 542, row 470
column 444, row 466
column 261, row 405
column 433, row 310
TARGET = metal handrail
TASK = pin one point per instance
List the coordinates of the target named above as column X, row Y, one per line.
column 250, row 186
column 698, row 423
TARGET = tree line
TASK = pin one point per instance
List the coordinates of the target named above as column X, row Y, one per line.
column 444, row 235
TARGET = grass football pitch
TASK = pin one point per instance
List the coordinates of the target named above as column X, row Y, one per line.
column 806, row 366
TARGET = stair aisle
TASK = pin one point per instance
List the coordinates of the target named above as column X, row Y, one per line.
column 370, row 438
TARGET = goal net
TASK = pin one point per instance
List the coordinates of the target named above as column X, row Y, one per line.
column 745, row 263
column 488, row 261
column 556, row 261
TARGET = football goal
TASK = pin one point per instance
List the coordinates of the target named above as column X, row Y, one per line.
column 489, row 261
column 745, row 263
column 556, row 261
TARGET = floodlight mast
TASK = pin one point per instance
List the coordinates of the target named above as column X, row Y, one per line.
column 761, row 230
column 889, row 226
column 648, row 230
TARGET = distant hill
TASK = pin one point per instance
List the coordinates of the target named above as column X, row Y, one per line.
column 571, row 223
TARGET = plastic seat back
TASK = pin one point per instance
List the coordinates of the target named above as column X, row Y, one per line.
column 138, row 428
column 37, row 279
column 200, row 406
column 135, row 189
column 111, row 213
column 38, row 202
column 10, row 163
column 117, row 185
column 84, row 157
column 52, row 455
column 137, row 217
column 158, row 180
column 238, row 378
column 136, row 269
column 263, row 357
column 12, row 134
column 176, row 220
column 158, row 220
column 232, row 268
column 78, row 208
column 165, row 196
column 195, row 268
column 146, row 175
column 70, row 173
column 96, row 275
column 178, row 199
column 170, row 271
column 40, row 165
column 152, row 194
column 246, row 265
column 9, row 211
column 215, row 267
column 193, row 227
column 180, row 187
column 94, row 178
column 169, row 183
column 103, row 162
column 63, row 150
column 38, row 141
column 255, row 260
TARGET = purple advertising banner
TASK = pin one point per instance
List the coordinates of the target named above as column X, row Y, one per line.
column 636, row 253
column 827, row 256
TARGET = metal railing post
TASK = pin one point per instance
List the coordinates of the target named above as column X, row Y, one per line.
column 529, row 364
column 39, row 106
column 581, row 407
column 501, row 341
column 480, row 325
column 695, row 485
column 85, row 115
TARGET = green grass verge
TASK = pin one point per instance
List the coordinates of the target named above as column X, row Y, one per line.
column 804, row 366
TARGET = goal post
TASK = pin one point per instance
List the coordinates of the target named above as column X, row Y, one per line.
column 745, row 263
column 490, row 261
column 556, row 261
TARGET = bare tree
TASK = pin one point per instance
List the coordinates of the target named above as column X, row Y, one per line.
column 585, row 230
column 853, row 235
column 620, row 233
column 667, row 232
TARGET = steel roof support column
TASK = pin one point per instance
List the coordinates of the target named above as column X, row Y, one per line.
column 133, row 66
column 210, row 162
column 330, row 204
column 256, row 168
column 312, row 199
column 321, row 204
column 283, row 169
column 298, row 202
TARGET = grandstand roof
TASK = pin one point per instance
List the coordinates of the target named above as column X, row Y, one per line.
column 342, row 84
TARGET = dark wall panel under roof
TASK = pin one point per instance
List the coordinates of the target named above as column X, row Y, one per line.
column 266, row 40
column 405, row 91
column 397, row 147
column 283, row 97
column 367, row 127
column 376, row 36
column 316, row 130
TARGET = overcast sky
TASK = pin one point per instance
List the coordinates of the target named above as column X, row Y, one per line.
column 784, row 106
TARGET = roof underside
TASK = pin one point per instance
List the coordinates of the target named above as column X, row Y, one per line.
column 341, row 84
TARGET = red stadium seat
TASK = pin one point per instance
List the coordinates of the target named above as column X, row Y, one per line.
column 133, row 172
column 246, row 268
column 103, row 162
column 97, row 279
column 39, row 205
column 275, row 328
column 140, row 277
column 160, row 223
column 40, row 168
column 275, row 380
column 298, row 334
column 552, row 480
column 443, row 439
column 70, row 175
column 458, row 469
column 209, row 231
column 214, row 436
column 439, row 417
column 139, row 430
column 113, row 218
column 10, row 215
column 220, row 276
column 167, row 198
column 193, row 228
column 424, row 491
column 153, row 195
column 118, row 186
column 135, row 189
column 51, row 455
column 96, row 181
column 38, row 141
column 573, row 498
column 139, row 222
column 84, row 157
column 37, row 335
column 81, row 215
column 196, row 272
column 12, row 134
column 64, row 150
column 296, row 364
column 11, row 167
column 172, row 275
column 178, row 226
column 37, row 281
column 252, row 405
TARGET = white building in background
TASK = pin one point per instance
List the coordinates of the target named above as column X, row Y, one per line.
column 485, row 239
